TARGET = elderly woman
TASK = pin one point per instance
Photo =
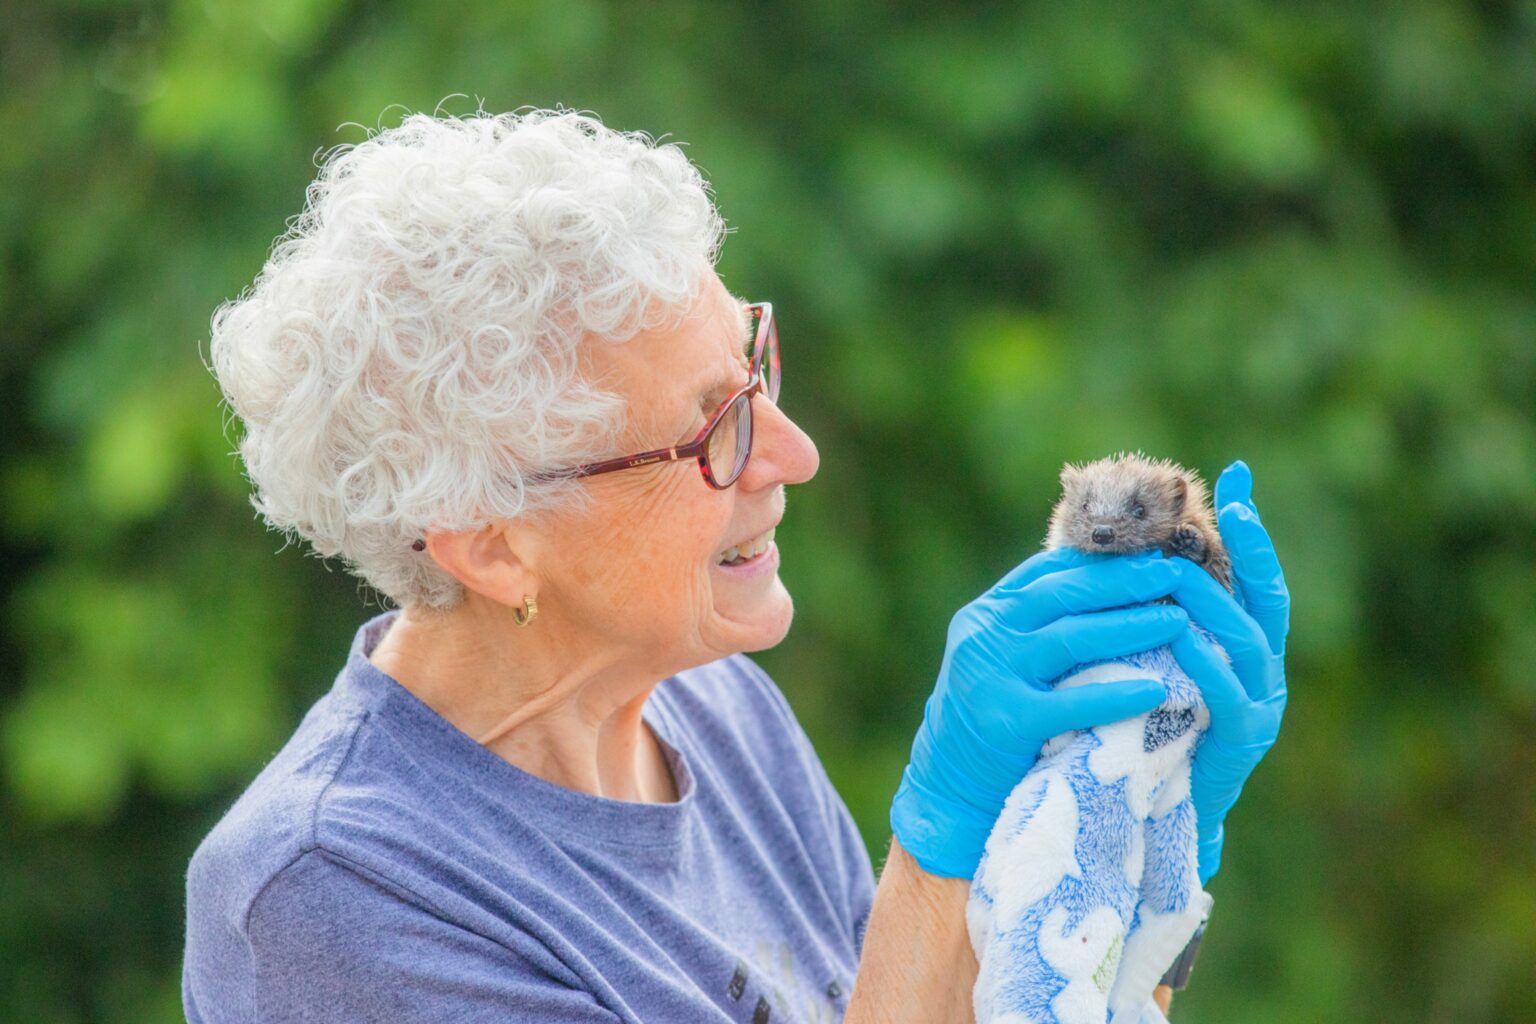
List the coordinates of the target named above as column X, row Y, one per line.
column 492, row 369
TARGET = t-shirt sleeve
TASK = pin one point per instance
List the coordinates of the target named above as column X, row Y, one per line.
column 851, row 860
column 328, row 943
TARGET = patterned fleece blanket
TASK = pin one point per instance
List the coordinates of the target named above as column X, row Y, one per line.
column 1088, row 889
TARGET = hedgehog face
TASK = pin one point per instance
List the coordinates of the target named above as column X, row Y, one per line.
column 1121, row 505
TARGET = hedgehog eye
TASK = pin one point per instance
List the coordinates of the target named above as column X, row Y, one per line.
column 1085, row 506
column 1140, row 511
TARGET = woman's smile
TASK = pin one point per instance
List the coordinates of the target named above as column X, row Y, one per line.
column 764, row 563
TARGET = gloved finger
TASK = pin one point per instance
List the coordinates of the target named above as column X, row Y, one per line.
column 1240, row 635
column 1256, row 569
column 1236, row 485
column 1106, row 583
column 1043, row 562
column 1208, row 860
column 1217, row 778
column 1219, row 686
column 1222, row 764
column 1083, row 707
column 1073, row 640
column 1220, row 769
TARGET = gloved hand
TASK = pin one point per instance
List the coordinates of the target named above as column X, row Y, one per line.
column 1247, row 698
column 992, row 708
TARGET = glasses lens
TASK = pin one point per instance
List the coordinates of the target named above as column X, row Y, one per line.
column 771, row 362
column 730, row 443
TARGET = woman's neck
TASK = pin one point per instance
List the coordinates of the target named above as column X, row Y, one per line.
column 567, row 713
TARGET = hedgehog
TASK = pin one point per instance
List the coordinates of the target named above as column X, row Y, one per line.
column 1129, row 503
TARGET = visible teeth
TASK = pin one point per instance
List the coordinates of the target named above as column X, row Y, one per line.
column 751, row 549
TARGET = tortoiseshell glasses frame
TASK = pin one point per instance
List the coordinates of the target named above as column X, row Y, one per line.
column 763, row 376
column 765, row 353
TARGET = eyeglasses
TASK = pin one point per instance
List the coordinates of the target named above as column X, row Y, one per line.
column 725, row 443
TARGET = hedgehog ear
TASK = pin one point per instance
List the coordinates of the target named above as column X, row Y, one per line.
column 1180, row 493
column 1069, row 474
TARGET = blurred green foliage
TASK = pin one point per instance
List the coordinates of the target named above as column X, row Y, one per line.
column 1303, row 234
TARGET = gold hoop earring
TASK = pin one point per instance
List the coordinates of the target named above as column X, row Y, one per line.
column 529, row 610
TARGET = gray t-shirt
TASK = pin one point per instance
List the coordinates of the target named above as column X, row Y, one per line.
column 385, row 867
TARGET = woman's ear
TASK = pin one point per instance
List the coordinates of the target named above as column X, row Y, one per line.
column 491, row 560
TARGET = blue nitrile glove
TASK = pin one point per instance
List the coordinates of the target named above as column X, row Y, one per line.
column 1247, row 698
column 992, row 708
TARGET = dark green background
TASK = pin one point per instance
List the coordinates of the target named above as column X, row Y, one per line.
column 997, row 236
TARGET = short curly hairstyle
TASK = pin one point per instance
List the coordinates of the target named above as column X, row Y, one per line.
column 407, row 357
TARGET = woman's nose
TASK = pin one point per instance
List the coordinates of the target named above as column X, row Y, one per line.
column 782, row 453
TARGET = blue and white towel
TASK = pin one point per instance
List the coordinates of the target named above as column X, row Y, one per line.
column 1089, row 888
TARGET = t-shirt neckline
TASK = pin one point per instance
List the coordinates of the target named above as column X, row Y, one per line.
column 451, row 753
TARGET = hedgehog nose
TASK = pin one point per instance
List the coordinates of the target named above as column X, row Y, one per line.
column 1103, row 534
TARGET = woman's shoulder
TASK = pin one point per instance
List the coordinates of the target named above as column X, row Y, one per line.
column 767, row 760
column 353, row 780
column 731, row 693
column 732, row 710
column 733, row 679
column 275, row 821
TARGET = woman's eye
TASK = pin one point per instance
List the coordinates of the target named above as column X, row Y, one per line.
column 1140, row 511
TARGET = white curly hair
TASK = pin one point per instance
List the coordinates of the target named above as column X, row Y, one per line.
column 407, row 357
